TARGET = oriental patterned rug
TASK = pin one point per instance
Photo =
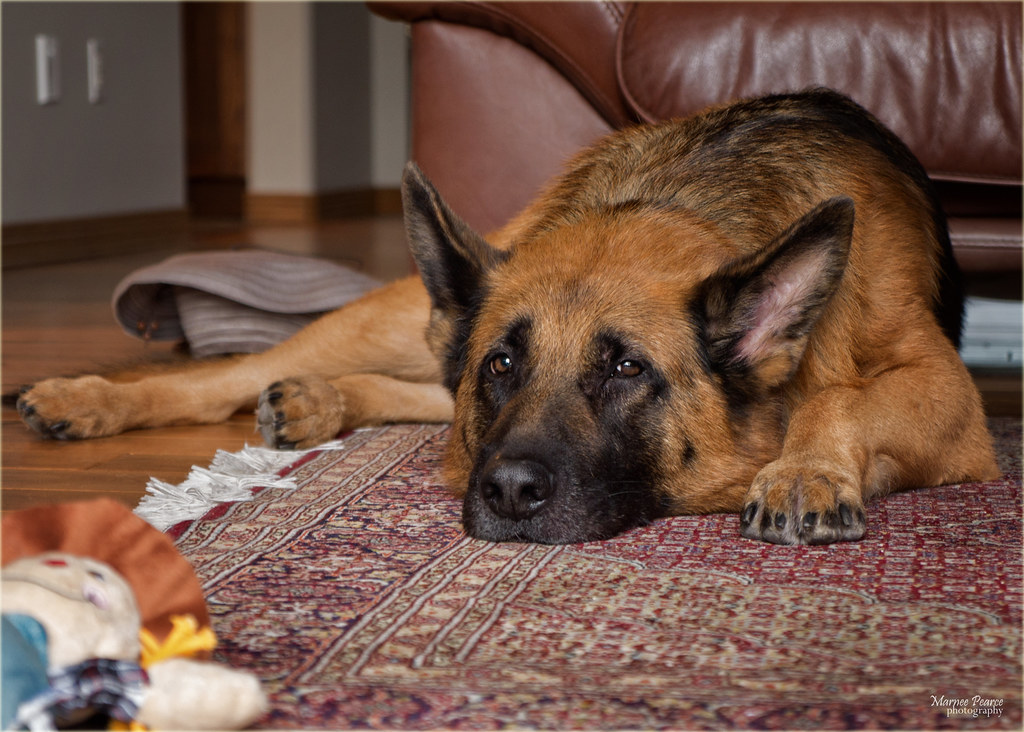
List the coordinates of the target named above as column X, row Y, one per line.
column 352, row 591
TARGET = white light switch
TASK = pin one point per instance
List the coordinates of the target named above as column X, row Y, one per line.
column 47, row 69
column 94, row 70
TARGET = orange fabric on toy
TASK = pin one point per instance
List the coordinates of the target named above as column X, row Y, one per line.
column 163, row 580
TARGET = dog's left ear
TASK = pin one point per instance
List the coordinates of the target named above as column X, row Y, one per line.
column 757, row 314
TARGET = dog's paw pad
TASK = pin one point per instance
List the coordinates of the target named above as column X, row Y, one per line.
column 298, row 413
column 68, row 409
column 803, row 505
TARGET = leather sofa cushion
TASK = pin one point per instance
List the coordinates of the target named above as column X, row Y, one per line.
column 946, row 77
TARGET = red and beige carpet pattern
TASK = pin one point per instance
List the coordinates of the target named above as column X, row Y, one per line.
column 361, row 604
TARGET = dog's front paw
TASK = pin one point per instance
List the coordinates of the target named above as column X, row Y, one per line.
column 814, row 503
column 68, row 409
column 301, row 412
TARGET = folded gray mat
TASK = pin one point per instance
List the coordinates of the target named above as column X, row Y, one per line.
column 239, row 301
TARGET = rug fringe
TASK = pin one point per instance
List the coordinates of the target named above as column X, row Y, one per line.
column 231, row 477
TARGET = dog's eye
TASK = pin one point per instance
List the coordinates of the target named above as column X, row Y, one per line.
column 628, row 369
column 501, row 364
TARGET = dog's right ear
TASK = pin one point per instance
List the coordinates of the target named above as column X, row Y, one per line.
column 452, row 258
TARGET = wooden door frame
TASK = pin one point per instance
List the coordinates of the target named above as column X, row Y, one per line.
column 215, row 98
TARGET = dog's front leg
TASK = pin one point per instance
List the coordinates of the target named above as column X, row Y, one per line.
column 912, row 426
column 302, row 412
column 381, row 333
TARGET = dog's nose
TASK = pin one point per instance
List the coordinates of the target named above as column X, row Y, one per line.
column 516, row 489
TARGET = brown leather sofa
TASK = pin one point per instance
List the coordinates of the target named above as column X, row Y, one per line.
column 503, row 93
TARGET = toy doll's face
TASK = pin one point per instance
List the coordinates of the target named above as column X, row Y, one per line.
column 87, row 609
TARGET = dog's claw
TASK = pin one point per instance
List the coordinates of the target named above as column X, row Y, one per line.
column 59, row 430
column 845, row 515
column 748, row 514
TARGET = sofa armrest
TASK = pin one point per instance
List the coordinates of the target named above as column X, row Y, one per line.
column 577, row 38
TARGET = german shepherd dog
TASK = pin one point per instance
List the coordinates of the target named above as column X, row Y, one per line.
column 751, row 310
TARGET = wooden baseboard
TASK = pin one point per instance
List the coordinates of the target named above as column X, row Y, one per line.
column 269, row 208
column 387, row 201
column 286, row 208
column 68, row 240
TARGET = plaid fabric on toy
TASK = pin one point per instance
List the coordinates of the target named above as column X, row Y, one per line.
column 96, row 686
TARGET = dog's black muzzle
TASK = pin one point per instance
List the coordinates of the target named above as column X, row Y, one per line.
column 536, row 495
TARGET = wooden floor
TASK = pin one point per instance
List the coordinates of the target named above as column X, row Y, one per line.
column 57, row 320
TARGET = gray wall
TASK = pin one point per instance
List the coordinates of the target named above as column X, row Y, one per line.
column 74, row 159
column 328, row 106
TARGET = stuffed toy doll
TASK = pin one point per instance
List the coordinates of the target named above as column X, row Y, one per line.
column 72, row 648
column 101, row 615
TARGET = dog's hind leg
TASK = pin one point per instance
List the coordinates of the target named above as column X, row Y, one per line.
column 302, row 412
column 382, row 333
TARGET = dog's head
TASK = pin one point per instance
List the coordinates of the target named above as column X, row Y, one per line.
column 615, row 365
